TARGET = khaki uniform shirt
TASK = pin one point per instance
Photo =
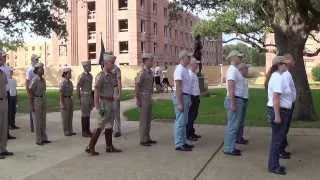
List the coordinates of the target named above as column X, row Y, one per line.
column 3, row 85
column 145, row 81
column 66, row 87
column 85, row 83
column 38, row 86
column 105, row 84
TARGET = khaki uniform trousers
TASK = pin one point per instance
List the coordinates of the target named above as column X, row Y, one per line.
column 145, row 116
column 116, row 104
column 106, row 114
column 86, row 104
column 39, row 114
column 67, row 116
column 3, row 125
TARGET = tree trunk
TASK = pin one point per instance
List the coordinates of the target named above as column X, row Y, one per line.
column 294, row 44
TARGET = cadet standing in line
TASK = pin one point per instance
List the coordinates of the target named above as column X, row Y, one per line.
column 39, row 104
column 29, row 76
column 84, row 91
column 103, row 100
column 144, row 90
column 66, row 103
column 117, row 93
column 3, row 113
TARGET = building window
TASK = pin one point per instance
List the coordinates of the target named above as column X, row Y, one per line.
column 181, row 35
column 166, row 49
column 123, row 47
column 170, row 33
column 123, row 25
column 155, row 28
column 155, row 48
column 33, row 48
column 165, row 12
column 176, row 34
column 142, row 46
column 165, row 31
column 155, row 8
column 62, row 50
column 142, row 3
column 142, row 26
column 123, row 4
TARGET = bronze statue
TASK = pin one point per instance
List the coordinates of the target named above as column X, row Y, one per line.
column 197, row 51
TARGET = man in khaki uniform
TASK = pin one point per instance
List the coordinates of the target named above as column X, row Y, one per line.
column 144, row 90
column 84, row 91
column 103, row 100
column 29, row 76
column 3, row 112
column 117, row 93
column 66, row 102
column 39, row 104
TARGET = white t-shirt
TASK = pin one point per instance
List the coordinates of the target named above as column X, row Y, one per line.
column 182, row 73
column 30, row 74
column 6, row 70
column 12, row 84
column 233, row 74
column 165, row 74
column 277, row 85
column 245, row 88
column 195, row 90
column 290, row 83
column 157, row 71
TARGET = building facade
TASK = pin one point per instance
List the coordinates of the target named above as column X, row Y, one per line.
column 129, row 29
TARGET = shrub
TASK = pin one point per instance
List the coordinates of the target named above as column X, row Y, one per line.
column 316, row 73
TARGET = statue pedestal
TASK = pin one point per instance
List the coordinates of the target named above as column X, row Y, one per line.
column 203, row 84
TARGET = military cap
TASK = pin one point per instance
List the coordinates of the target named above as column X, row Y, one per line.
column 108, row 57
column 147, row 56
column 35, row 58
column 66, row 68
column 86, row 63
column 280, row 59
column 184, row 53
column 234, row 53
column 109, row 52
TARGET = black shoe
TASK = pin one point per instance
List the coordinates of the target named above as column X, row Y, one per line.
column 40, row 143
column 233, row 153
column 152, row 142
column 280, row 171
column 188, row 146
column 286, row 153
column 46, row 142
column 237, row 150
column 14, row 127
column 7, row 153
column 2, row 157
column 243, row 141
column 196, row 136
column 191, row 138
column 73, row 134
column 11, row 137
column 284, row 156
column 183, row 148
column 145, row 144
column 117, row 134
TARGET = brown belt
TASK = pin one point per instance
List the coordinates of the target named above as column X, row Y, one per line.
column 67, row 96
column 107, row 98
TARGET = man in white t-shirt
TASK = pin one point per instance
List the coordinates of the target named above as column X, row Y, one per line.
column 289, row 83
column 234, row 103
column 182, row 102
column 195, row 100
column 29, row 76
column 157, row 77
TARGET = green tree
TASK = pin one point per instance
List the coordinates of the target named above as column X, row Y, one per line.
column 291, row 21
column 252, row 55
column 41, row 17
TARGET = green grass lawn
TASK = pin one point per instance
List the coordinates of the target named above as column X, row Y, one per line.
column 53, row 100
column 212, row 110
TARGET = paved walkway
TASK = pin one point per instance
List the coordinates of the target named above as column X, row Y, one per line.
column 65, row 157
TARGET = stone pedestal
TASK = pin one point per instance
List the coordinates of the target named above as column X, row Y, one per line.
column 203, row 84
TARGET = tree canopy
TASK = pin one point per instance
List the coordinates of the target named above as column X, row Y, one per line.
column 41, row 17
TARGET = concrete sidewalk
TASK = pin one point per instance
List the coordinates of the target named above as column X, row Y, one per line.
column 65, row 157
